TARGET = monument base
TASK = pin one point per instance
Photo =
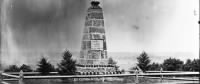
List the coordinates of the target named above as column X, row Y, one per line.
column 97, row 69
column 99, row 79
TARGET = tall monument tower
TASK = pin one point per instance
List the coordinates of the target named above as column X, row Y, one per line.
column 93, row 49
column 93, row 55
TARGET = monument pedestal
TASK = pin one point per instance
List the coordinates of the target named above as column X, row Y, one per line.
column 97, row 69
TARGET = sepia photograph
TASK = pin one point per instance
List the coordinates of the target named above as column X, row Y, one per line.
column 99, row 42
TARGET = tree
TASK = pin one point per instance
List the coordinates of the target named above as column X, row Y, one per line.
column 26, row 68
column 112, row 62
column 45, row 67
column 67, row 66
column 188, row 65
column 143, row 61
column 195, row 65
column 12, row 68
column 122, row 71
column 172, row 64
column 154, row 66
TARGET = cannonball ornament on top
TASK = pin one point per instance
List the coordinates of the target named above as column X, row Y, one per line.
column 95, row 3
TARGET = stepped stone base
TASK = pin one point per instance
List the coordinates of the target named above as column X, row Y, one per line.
column 97, row 69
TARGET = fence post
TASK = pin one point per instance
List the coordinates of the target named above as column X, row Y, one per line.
column 1, row 77
column 103, row 79
column 21, row 77
column 161, row 76
column 136, row 76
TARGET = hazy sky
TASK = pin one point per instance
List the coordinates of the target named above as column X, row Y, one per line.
column 159, row 27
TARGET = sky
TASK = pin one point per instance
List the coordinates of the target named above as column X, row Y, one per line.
column 162, row 28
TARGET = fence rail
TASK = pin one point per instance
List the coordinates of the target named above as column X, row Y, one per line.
column 107, row 75
column 29, row 73
column 20, row 76
column 164, row 71
column 34, row 73
column 9, row 75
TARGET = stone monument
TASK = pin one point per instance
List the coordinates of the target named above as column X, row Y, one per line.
column 93, row 56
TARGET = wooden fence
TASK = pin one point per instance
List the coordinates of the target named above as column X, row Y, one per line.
column 150, row 74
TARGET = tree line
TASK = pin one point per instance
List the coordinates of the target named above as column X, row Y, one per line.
column 169, row 64
column 67, row 66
